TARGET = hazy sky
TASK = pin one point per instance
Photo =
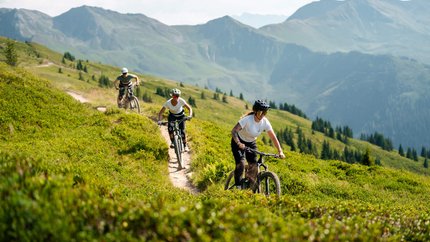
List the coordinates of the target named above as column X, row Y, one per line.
column 169, row 12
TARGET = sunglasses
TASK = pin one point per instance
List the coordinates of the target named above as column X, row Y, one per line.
column 262, row 112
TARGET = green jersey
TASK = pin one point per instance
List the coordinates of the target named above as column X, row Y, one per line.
column 125, row 81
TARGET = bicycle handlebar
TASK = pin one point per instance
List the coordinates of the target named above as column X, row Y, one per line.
column 178, row 121
column 247, row 149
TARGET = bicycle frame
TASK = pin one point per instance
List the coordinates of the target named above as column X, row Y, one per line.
column 129, row 100
column 128, row 95
column 176, row 130
column 177, row 139
column 267, row 182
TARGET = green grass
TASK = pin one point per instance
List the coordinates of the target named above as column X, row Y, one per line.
column 69, row 172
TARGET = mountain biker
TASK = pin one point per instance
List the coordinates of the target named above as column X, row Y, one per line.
column 124, row 81
column 244, row 134
column 176, row 112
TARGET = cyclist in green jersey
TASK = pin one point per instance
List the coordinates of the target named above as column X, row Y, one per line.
column 123, row 82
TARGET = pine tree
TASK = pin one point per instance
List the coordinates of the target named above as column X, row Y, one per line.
column 423, row 152
column 10, row 53
column 414, row 154
column 401, row 151
column 325, row 152
column 409, row 153
column 81, row 76
column 426, row 163
column 366, row 159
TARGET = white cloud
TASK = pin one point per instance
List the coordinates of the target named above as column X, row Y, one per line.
column 167, row 11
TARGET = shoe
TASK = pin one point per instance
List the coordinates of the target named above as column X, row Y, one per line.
column 172, row 145
column 186, row 149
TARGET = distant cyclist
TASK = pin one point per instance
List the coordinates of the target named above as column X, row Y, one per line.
column 176, row 112
column 245, row 133
column 124, row 81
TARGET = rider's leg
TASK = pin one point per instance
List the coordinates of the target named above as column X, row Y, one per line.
column 120, row 96
column 240, row 162
column 184, row 135
column 170, row 124
column 119, row 101
column 251, row 158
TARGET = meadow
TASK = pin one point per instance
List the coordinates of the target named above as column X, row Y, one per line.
column 71, row 173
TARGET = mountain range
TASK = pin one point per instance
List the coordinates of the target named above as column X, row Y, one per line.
column 361, row 63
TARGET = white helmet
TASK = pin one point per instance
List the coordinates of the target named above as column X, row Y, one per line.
column 124, row 70
column 175, row 92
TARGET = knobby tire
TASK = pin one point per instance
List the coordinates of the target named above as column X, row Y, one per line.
column 268, row 184
column 229, row 183
column 177, row 144
column 134, row 105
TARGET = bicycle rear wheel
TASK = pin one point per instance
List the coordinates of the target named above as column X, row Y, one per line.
column 134, row 105
column 268, row 184
column 178, row 150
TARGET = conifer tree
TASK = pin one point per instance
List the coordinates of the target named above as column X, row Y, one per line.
column 325, row 151
column 401, row 151
column 10, row 53
column 366, row 159
column 423, row 152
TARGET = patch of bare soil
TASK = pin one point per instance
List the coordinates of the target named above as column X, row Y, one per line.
column 77, row 96
column 179, row 178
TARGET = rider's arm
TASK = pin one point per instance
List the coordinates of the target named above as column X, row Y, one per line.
column 275, row 141
column 137, row 81
column 235, row 135
column 189, row 109
column 116, row 84
column 160, row 114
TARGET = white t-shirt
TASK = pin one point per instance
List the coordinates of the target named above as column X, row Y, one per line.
column 251, row 129
column 175, row 109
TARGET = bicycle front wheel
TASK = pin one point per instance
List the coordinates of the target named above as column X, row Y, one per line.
column 229, row 183
column 134, row 105
column 178, row 150
column 268, row 184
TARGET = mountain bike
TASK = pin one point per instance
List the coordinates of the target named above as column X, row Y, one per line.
column 267, row 181
column 177, row 139
column 129, row 100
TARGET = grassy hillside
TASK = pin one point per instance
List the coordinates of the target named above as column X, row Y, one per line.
column 69, row 172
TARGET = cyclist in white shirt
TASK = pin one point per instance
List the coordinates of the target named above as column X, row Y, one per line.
column 245, row 133
column 176, row 112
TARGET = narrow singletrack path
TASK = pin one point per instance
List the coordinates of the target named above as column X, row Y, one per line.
column 179, row 178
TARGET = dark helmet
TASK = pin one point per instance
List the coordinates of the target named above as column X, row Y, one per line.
column 260, row 105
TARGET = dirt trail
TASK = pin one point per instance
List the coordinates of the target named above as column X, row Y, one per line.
column 179, row 178
column 77, row 96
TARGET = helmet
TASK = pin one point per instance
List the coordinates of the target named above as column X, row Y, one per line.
column 124, row 70
column 260, row 105
column 175, row 92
